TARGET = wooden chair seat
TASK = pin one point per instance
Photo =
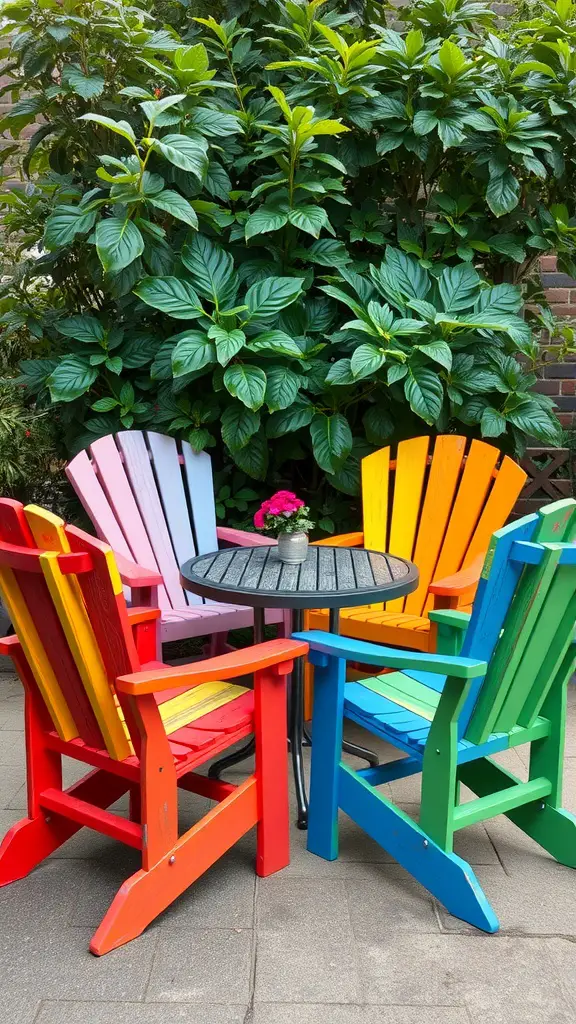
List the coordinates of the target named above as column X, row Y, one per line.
column 379, row 626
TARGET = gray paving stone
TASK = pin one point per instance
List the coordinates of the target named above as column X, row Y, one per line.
column 383, row 898
column 12, row 750
column 202, row 966
column 481, row 972
column 57, row 965
column 315, row 967
column 539, row 902
column 139, row 1013
column 294, row 904
column 12, row 787
column 221, row 898
column 317, row 1013
column 562, row 952
column 16, row 1009
column 50, row 897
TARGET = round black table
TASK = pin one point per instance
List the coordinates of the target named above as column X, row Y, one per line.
column 330, row 578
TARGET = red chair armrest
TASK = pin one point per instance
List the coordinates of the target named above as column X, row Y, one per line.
column 226, row 666
column 136, row 576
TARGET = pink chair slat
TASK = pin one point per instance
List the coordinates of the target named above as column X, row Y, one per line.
column 168, row 476
column 82, row 475
column 139, row 472
column 117, row 486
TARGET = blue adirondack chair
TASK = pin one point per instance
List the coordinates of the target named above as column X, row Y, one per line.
column 450, row 711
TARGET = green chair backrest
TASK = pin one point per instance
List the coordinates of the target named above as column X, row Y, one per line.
column 523, row 620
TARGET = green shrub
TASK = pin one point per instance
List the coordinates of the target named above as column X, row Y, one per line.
column 340, row 216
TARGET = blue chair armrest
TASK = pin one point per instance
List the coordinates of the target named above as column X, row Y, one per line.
column 389, row 657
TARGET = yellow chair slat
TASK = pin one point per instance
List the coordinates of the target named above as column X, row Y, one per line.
column 411, row 463
column 187, row 707
column 375, row 471
column 36, row 656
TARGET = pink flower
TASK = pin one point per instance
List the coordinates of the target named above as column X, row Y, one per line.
column 259, row 519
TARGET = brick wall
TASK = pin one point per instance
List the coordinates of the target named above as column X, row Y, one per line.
column 559, row 379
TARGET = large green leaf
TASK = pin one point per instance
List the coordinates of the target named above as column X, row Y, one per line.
column 424, row 391
column 340, row 373
column 139, row 350
column 122, row 128
column 439, row 351
column 239, row 424
column 331, row 440
column 275, row 342
column 503, row 193
column 247, row 383
column 378, row 423
column 265, row 219
column 71, row 378
column 118, row 243
column 82, row 328
column 310, row 219
column 408, row 276
column 266, row 298
column 493, row 423
column 537, row 421
column 299, row 414
column 65, row 223
column 193, row 352
column 458, row 287
column 211, row 270
column 228, row 343
column 189, row 153
column 175, row 204
column 86, row 86
column 366, row 360
column 214, row 123
column 252, row 459
column 172, row 296
column 282, row 387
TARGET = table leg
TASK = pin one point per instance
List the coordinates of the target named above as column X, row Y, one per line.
column 350, row 748
column 295, row 729
column 247, row 750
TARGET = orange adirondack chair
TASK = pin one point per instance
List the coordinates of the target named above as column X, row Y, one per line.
column 436, row 503
column 80, row 653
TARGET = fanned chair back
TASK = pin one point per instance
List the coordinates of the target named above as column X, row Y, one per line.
column 436, row 502
column 64, row 595
column 523, row 621
column 152, row 500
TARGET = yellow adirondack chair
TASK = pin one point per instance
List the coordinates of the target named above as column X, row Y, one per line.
column 436, row 502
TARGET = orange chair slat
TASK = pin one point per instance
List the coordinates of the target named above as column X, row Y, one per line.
column 507, row 487
column 449, row 451
column 411, row 464
column 474, row 486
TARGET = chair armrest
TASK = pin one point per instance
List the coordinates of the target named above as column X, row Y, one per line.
column 459, row 582
column 226, row 666
column 136, row 576
column 450, row 617
column 243, row 538
column 7, row 643
column 142, row 613
column 341, row 540
column 389, row 657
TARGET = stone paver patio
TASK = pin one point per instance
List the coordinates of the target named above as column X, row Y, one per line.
column 352, row 942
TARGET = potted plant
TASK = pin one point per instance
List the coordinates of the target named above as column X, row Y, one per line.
column 288, row 517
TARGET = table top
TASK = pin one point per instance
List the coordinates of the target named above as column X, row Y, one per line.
column 330, row 577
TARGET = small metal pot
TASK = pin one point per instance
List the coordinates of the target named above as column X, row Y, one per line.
column 293, row 547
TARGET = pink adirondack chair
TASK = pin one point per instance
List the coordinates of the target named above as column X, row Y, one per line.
column 152, row 500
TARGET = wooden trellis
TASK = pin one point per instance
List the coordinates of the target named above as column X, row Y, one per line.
column 550, row 477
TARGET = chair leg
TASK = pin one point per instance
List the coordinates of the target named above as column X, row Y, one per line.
column 327, row 724
column 147, row 893
column 270, row 720
column 449, row 878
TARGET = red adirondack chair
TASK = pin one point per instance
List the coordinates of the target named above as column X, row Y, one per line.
column 93, row 694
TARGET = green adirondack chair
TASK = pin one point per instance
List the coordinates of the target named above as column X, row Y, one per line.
column 451, row 711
